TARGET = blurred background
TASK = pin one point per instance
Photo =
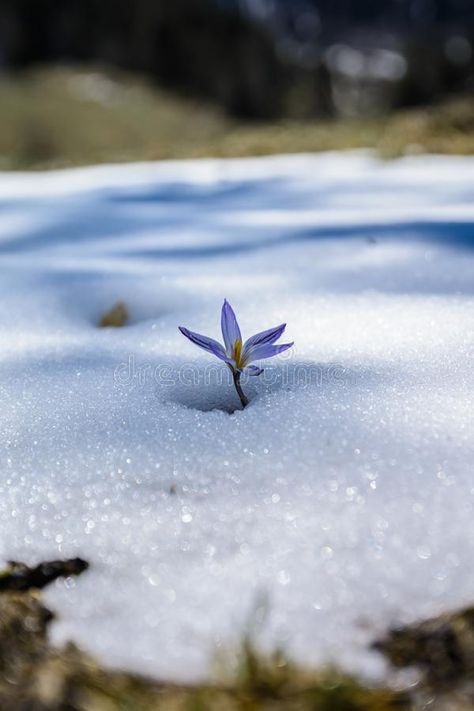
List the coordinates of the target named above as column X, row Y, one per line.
column 83, row 81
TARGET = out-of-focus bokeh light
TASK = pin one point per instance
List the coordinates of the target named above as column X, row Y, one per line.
column 237, row 64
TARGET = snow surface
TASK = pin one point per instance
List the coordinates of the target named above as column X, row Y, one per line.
column 344, row 493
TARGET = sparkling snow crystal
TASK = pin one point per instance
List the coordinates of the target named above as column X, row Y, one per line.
column 344, row 491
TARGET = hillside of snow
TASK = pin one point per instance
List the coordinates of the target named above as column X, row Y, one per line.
column 344, row 493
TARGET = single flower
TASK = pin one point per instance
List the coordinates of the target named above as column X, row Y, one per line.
column 239, row 357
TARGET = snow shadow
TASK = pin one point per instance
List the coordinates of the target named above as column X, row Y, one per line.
column 82, row 296
column 209, row 387
column 113, row 221
column 105, row 214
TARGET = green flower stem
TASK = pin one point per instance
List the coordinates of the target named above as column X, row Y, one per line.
column 243, row 398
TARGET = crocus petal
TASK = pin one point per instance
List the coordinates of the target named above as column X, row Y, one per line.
column 269, row 336
column 208, row 344
column 252, row 370
column 267, row 350
column 230, row 327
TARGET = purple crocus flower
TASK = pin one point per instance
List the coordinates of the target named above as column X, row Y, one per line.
column 238, row 356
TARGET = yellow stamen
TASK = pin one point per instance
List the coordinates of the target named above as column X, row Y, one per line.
column 237, row 353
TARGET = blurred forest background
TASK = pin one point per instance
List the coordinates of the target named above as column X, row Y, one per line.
column 84, row 81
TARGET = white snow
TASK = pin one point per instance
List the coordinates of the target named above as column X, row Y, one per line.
column 344, row 493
